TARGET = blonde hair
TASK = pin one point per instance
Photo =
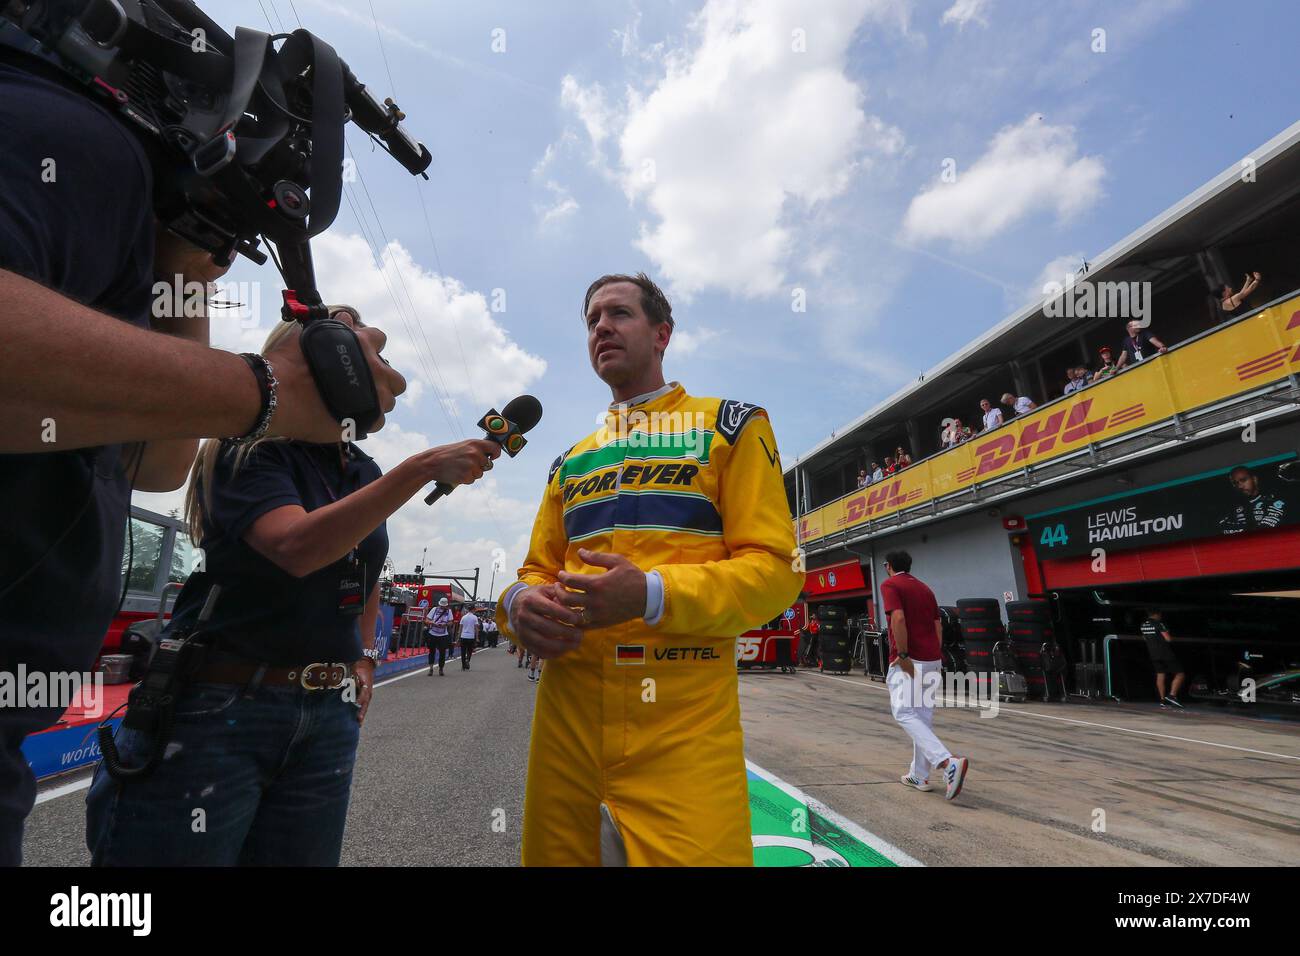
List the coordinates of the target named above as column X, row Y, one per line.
column 198, row 493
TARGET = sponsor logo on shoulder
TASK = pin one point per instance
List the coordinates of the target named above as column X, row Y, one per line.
column 732, row 416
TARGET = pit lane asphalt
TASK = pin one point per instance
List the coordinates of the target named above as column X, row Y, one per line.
column 1196, row 787
column 440, row 754
column 441, row 759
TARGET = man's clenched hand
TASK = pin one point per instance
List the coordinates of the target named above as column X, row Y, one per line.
column 544, row 625
column 606, row 599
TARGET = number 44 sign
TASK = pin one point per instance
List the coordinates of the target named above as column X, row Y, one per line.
column 1054, row 535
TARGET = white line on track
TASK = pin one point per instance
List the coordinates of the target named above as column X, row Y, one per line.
column 1089, row 723
column 879, row 844
column 83, row 784
column 66, row 789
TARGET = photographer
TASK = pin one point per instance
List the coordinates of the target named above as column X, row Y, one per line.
column 439, row 631
column 84, row 372
column 265, row 733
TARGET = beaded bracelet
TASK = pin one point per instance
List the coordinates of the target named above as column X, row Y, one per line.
column 267, row 384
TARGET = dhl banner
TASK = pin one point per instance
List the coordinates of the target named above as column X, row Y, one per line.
column 1254, row 352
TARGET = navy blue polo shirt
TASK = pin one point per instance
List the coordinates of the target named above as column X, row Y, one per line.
column 264, row 613
column 76, row 216
column 87, row 233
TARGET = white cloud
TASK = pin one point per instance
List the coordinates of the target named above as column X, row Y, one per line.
column 444, row 336
column 746, row 128
column 687, row 342
column 562, row 205
column 965, row 11
column 1027, row 168
column 629, row 38
column 1057, row 271
column 589, row 103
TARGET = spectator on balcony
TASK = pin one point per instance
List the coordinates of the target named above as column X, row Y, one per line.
column 1078, row 378
column 955, row 433
column 1234, row 301
column 992, row 415
column 1139, row 344
column 890, row 467
column 901, row 458
column 1108, row 365
column 863, row 480
column 876, row 472
column 1018, row 405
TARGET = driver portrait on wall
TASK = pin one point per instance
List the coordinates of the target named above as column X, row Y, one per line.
column 1260, row 509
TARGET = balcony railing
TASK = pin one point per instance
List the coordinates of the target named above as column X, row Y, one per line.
column 1246, row 355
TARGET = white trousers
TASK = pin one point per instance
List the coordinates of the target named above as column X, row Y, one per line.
column 911, row 701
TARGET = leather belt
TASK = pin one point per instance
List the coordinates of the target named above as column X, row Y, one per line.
column 319, row 676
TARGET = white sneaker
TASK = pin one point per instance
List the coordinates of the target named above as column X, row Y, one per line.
column 954, row 775
column 908, row 780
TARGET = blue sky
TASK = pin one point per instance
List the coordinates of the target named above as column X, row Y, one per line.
column 746, row 153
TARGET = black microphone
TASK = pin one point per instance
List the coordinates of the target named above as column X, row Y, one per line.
column 506, row 428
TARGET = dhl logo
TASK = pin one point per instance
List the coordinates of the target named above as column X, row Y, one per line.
column 873, row 502
column 1040, row 437
column 1202, row 372
column 1271, row 361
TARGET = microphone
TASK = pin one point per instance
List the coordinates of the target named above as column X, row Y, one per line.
column 506, row 428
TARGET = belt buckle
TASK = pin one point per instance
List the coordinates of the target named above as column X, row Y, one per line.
column 323, row 676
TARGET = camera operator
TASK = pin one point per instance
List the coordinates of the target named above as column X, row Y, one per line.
column 265, row 734
column 83, row 372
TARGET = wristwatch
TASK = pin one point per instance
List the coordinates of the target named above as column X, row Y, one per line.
column 371, row 653
column 902, row 655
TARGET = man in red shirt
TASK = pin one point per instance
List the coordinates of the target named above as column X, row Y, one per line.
column 915, row 635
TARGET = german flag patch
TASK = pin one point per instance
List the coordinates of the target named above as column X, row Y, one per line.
column 629, row 654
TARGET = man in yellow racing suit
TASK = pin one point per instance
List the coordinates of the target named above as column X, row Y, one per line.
column 660, row 538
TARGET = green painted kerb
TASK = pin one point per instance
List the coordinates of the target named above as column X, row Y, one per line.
column 789, row 833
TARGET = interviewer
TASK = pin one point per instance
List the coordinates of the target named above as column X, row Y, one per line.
column 259, row 765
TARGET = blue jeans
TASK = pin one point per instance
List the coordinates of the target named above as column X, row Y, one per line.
column 251, row 782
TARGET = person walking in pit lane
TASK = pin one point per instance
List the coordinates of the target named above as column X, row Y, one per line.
column 534, row 667
column 468, row 637
column 1155, row 632
column 439, row 631
column 915, row 638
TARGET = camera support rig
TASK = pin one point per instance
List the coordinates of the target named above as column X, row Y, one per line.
column 245, row 140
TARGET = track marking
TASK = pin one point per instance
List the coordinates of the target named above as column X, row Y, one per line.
column 67, row 788
column 1088, row 723
column 880, row 845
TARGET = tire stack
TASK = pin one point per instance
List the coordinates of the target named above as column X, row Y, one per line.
column 833, row 640
column 1029, row 625
column 980, row 621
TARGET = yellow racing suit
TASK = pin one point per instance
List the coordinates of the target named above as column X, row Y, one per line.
column 637, row 755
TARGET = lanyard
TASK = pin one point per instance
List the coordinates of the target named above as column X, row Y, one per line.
column 329, row 490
